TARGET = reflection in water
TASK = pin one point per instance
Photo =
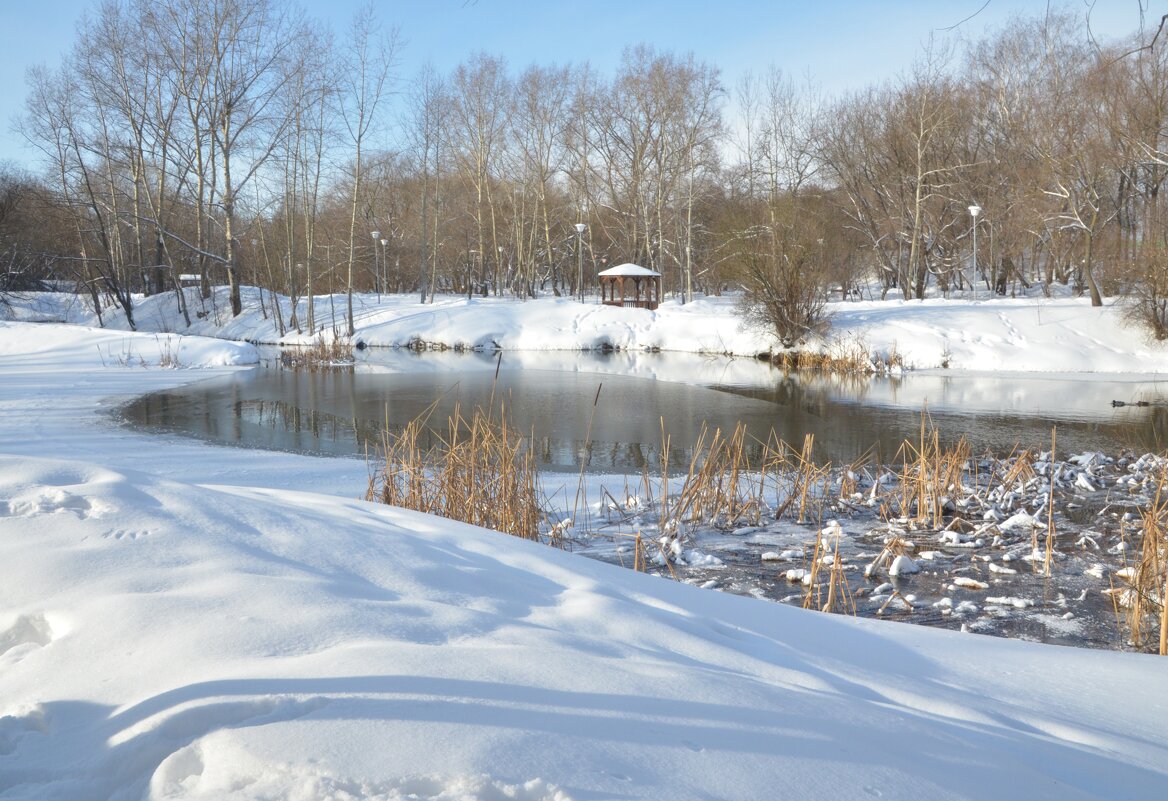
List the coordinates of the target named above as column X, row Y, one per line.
column 347, row 412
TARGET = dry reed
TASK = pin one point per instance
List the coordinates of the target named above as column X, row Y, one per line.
column 930, row 477
column 847, row 355
column 478, row 472
column 324, row 353
column 1050, row 508
column 1146, row 596
column 834, row 594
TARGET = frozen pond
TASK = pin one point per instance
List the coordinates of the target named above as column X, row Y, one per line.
column 610, row 410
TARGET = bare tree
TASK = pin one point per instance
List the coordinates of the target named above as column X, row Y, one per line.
column 482, row 96
column 65, row 120
column 1081, row 174
column 659, row 114
column 539, row 127
column 426, row 133
column 365, row 83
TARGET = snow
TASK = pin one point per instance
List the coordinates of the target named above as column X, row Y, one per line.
column 902, row 566
column 628, row 269
column 1020, row 520
column 180, row 621
column 1056, row 335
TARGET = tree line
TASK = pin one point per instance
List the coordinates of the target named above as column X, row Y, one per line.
column 238, row 143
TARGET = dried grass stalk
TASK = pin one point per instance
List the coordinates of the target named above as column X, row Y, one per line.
column 1146, row 599
column 478, row 472
column 325, row 353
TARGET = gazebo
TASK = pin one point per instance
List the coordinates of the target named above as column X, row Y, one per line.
column 630, row 285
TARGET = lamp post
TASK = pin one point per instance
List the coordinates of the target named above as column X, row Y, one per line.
column 580, row 229
column 384, row 266
column 688, row 296
column 975, row 210
column 376, row 272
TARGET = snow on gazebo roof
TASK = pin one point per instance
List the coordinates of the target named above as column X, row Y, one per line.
column 629, row 269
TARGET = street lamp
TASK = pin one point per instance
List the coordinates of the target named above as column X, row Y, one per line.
column 975, row 210
column 376, row 273
column 580, row 229
column 384, row 266
column 688, row 296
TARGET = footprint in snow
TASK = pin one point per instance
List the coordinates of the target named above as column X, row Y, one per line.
column 124, row 534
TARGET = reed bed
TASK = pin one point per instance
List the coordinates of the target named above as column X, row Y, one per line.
column 941, row 492
column 1143, row 599
column 932, row 478
column 325, row 353
column 477, row 471
column 824, row 362
column 848, row 355
column 734, row 479
column 711, row 491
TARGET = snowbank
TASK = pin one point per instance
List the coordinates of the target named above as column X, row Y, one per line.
column 164, row 640
column 1050, row 335
column 1061, row 335
column 56, row 347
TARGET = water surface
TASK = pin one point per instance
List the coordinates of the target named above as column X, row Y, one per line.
column 618, row 412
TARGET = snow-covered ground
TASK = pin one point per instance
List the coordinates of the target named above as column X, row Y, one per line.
column 1050, row 335
column 181, row 621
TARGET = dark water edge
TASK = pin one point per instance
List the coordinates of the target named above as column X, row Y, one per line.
column 618, row 421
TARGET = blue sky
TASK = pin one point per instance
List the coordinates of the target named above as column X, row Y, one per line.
column 842, row 44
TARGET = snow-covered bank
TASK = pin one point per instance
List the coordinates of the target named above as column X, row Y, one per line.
column 1060, row 334
column 180, row 621
column 167, row 640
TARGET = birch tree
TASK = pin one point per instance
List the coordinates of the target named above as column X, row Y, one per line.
column 365, row 71
column 479, row 113
column 428, row 110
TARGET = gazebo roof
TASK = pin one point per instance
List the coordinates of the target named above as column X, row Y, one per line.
column 629, row 269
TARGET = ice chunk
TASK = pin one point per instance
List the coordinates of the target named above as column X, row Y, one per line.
column 903, row 566
column 1097, row 570
column 950, row 538
column 1019, row 520
column 1009, row 600
column 696, row 558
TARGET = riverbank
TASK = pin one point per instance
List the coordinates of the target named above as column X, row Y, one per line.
column 1062, row 334
column 180, row 621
